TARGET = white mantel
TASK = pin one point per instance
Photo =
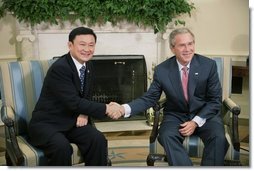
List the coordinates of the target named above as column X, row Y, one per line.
column 45, row 41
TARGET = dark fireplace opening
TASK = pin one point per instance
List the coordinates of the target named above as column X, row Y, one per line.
column 119, row 78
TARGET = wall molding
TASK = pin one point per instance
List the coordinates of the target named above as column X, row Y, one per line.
column 8, row 58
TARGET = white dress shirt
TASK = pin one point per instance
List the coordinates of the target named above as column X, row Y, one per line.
column 78, row 65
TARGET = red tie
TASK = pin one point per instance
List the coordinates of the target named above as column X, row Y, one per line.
column 185, row 82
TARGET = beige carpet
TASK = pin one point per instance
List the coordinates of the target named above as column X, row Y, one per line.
column 128, row 152
column 133, row 152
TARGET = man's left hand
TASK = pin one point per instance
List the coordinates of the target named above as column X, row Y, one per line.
column 82, row 120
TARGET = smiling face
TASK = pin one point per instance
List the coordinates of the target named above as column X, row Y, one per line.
column 183, row 47
column 82, row 47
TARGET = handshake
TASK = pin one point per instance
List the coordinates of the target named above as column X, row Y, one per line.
column 114, row 110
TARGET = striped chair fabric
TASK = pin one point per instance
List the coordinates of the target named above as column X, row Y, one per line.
column 193, row 144
column 21, row 84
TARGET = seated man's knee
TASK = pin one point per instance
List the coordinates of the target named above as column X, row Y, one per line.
column 220, row 137
column 61, row 147
column 169, row 137
column 223, row 140
column 99, row 137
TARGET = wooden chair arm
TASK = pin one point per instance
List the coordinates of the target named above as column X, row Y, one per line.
column 16, row 155
column 154, row 131
column 232, row 106
column 235, row 110
column 159, row 105
column 13, row 149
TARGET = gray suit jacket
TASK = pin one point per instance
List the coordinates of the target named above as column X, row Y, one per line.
column 204, row 89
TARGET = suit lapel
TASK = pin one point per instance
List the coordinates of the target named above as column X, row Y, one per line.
column 193, row 76
column 175, row 79
column 75, row 74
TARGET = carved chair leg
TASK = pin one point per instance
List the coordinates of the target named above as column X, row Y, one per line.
column 109, row 163
column 165, row 159
column 8, row 159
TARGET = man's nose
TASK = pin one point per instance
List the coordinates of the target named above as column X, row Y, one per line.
column 86, row 48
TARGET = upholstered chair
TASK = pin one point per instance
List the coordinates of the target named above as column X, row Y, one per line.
column 193, row 144
column 21, row 84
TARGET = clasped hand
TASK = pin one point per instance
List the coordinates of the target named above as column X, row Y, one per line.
column 114, row 110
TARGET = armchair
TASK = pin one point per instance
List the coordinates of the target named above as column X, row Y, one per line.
column 193, row 144
column 21, row 83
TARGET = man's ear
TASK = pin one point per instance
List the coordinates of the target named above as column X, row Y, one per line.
column 172, row 50
column 69, row 45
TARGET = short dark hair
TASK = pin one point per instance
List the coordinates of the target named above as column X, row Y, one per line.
column 81, row 31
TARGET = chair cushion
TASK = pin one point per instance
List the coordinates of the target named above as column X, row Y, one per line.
column 35, row 157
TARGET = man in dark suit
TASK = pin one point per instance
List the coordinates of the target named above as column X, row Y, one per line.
column 61, row 114
column 191, row 110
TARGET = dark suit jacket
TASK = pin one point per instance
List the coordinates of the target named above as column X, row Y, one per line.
column 204, row 89
column 61, row 101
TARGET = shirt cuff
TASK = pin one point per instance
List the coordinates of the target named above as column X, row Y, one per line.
column 127, row 110
column 200, row 121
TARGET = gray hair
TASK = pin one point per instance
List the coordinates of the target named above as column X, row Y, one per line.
column 176, row 32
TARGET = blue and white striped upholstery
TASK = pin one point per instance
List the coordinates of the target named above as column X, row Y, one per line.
column 21, row 84
column 193, row 144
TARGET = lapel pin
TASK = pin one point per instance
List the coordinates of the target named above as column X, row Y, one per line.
column 196, row 73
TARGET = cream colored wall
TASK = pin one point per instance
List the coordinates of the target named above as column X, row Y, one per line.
column 7, row 38
column 221, row 28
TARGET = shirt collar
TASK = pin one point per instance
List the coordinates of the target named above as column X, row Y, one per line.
column 180, row 66
column 77, row 64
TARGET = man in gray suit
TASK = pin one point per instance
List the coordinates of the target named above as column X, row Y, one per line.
column 194, row 110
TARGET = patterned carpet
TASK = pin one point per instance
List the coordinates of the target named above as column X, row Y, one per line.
column 133, row 152
column 128, row 152
column 130, row 148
